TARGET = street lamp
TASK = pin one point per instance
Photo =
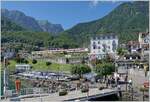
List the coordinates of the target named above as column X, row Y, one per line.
column 5, row 77
column 116, row 65
column 126, row 79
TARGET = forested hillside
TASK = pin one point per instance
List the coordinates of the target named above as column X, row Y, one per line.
column 126, row 20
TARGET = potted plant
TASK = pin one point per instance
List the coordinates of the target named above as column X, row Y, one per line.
column 83, row 90
column 101, row 87
column 63, row 92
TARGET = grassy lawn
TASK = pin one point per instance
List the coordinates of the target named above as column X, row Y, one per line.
column 41, row 66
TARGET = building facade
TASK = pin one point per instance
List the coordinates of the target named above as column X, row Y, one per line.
column 141, row 44
column 133, row 46
column 144, row 40
column 102, row 45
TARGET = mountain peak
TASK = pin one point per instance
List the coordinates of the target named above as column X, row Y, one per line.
column 31, row 23
column 49, row 27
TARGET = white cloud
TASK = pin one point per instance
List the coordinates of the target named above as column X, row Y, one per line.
column 94, row 2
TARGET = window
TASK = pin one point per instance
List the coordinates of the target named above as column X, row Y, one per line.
column 94, row 46
column 99, row 47
column 114, row 36
column 114, row 46
column 103, row 37
column 94, row 38
column 98, row 42
column 93, row 43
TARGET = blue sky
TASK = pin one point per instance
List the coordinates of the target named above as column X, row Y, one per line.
column 66, row 13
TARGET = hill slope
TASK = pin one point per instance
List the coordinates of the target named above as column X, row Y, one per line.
column 125, row 20
column 8, row 25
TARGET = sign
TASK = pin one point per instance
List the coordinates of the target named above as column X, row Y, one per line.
column 18, row 85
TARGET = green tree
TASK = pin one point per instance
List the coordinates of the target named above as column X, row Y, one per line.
column 26, row 61
column 80, row 69
column 104, row 69
column 121, row 51
column 108, row 58
column 67, row 60
column 96, row 61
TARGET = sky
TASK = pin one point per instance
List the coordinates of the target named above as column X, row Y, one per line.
column 66, row 13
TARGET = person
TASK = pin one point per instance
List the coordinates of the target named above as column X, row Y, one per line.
column 130, row 84
column 118, row 80
column 130, row 81
column 119, row 90
column 108, row 82
column 126, row 78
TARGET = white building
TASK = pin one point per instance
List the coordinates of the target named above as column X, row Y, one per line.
column 102, row 45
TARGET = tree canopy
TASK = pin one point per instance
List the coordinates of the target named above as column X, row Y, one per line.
column 80, row 69
column 104, row 69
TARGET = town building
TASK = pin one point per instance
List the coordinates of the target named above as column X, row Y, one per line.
column 141, row 45
column 60, row 50
column 144, row 40
column 102, row 45
column 133, row 46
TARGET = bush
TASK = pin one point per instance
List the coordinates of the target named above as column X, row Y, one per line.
column 34, row 61
column 63, row 93
column 48, row 63
column 83, row 90
column 101, row 88
column 144, row 89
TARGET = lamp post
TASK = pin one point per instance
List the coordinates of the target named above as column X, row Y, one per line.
column 4, row 90
column 132, row 93
column 126, row 80
column 58, row 74
column 5, row 77
column 116, row 57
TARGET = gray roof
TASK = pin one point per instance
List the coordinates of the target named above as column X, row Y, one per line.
column 105, row 36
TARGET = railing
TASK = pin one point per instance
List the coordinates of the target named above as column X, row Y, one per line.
column 28, row 91
column 38, row 91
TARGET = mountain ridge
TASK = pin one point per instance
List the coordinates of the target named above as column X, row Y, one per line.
column 125, row 20
column 30, row 23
